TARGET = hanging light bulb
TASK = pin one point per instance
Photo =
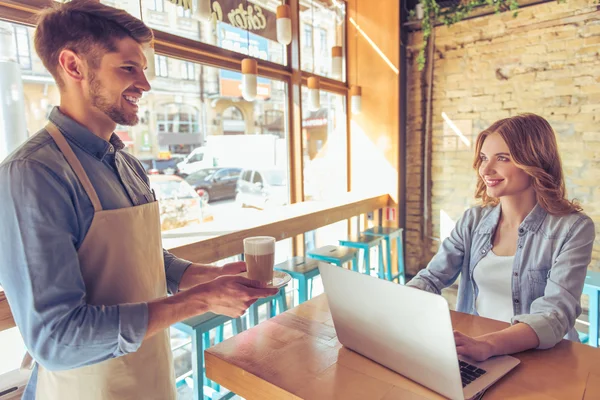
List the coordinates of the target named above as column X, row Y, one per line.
column 249, row 79
column 150, row 61
column 202, row 11
column 356, row 99
column 314, row 95
column 337, row 62
column 284, row 25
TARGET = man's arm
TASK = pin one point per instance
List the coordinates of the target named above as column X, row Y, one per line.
column 226, row 295
column 183, row 274
column 40, row 273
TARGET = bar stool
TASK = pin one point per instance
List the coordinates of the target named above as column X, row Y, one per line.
column 591, row 287
column 365, row 243
column 303, row 270
column 388, row 234
column 278, row 300
column 336, row 255
column 199, row 328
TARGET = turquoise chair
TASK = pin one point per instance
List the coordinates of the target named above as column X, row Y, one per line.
column 389, row 234
column 365, row 243
column 591, row 287
column 199, row 328
column 337, row 255
column 278, row 300
column 303, row 270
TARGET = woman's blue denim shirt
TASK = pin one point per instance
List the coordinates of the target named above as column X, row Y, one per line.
column 553, row 253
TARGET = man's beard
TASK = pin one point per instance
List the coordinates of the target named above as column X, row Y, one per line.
column 113, row 111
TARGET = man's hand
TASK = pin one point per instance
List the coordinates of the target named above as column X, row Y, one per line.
column 228, row 295
column 475, row 349
column 233, row 268
column 200, row 273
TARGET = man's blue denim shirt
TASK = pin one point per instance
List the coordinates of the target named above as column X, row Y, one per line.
column 45, row 216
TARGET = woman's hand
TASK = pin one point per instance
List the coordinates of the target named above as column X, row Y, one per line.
column 477, row 349
column 514, row 339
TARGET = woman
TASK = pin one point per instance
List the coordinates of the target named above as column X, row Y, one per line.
column 523, row 254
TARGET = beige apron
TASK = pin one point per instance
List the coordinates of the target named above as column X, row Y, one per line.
column 121, row 262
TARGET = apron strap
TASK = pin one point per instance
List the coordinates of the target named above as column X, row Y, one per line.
column 75, row 164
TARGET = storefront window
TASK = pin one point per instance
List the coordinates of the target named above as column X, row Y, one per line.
column 322, row 36
column 245, row 27
column 324, row 145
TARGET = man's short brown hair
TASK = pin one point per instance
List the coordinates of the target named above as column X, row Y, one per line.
column 86, row 27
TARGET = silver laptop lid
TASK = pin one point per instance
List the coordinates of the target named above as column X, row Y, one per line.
column 404, row 329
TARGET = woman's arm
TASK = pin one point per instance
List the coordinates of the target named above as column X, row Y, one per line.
column 444, row 267
column 517, row 338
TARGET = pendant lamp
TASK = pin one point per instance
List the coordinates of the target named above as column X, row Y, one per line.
column 249, row 79
column 202, row 11
column 314, row 94
column 356, row 99
column 337, row 61
column 284, row 25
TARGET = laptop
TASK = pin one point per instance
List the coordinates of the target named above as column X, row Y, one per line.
column 406, row 330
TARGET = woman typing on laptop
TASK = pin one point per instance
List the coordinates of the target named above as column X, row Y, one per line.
column 523, row 254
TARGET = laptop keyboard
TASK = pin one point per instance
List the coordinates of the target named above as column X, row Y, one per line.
column 468, row 372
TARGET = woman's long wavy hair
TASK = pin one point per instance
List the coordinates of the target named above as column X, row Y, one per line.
column 533, row 148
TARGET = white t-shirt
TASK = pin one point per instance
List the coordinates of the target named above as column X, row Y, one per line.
column 493, row 277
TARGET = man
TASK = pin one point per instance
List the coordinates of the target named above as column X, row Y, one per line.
column 81, row 258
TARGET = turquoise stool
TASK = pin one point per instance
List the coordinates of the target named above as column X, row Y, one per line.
column 365, row 243
column 591, row 287
column 279, row 300
column 303, row 270
column 199, row 328
column 337, row 255
column 388, row 234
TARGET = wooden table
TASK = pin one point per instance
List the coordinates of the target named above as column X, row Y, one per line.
column 297, row 355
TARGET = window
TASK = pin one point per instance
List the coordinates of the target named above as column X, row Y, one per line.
column 233, row 113
column 188, row 71
column 324, row 146
column 308, row 39
column 177, row 118
column 197, row 157
column 156, row 5
column 323, row 40
column 257, row 178
column 228, row 31
column 22, row 46
column 162, row 66
column 322, row 23
column 182, row 13
column 246, row 175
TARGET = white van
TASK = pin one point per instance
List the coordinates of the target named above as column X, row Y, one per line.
column 199, row 158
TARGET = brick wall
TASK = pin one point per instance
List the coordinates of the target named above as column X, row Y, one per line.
column 545, row 61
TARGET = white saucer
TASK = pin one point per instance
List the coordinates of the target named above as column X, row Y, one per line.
column 280, row 279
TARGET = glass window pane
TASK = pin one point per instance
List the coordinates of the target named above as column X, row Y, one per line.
column 206, row 124
column 322, row 35
column 324, row 146
column 226, row 28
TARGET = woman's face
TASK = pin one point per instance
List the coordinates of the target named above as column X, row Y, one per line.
column 501, row 176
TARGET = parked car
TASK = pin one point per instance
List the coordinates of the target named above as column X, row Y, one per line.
column 198, row 159
column 262, row 188
column 215, row 183
column 179, row 203
column 154, row 166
